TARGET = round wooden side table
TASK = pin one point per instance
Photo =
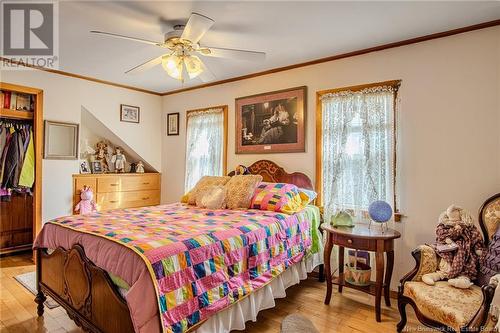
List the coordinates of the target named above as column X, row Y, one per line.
column 361, row 237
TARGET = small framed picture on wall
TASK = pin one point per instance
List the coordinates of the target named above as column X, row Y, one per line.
column 173, row 123
column 129, row 113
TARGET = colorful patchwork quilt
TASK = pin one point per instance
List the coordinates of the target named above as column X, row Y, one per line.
column 202, row 261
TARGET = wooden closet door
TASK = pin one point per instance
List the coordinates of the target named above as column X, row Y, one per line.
column 16, row 226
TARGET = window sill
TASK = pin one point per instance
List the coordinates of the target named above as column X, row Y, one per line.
column 398, row 216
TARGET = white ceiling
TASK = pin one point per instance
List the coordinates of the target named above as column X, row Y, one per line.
column 288, row 31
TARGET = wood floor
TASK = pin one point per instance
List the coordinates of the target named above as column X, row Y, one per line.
column 350, row 312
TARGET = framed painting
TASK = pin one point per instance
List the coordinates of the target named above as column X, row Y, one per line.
column 129, row 113
column 272, row 122
column 173, row 123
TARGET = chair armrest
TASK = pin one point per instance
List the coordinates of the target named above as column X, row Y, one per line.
column 481, row 316
column 426, row 261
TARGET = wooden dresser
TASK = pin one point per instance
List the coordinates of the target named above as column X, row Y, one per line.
column 126, row 190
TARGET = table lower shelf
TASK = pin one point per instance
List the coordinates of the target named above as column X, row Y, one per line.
column 370, row 289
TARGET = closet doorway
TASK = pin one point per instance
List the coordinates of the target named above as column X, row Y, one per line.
column 21, row 149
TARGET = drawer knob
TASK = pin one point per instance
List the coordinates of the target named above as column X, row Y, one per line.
column 145, row 198
column 113, row 201
column 114, row 184
column 145, row 183
column 349, row 241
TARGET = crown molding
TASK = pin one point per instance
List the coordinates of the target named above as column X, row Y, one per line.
column 82, row 77
column 415, row 40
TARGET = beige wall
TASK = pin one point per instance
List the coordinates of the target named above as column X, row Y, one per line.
column 449, row 137
column 63, row 100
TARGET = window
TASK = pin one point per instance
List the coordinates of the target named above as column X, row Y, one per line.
column 206, row 141
column 356, row 148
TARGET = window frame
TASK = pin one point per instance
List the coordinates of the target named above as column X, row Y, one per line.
column 319, row 136
column 225, row 135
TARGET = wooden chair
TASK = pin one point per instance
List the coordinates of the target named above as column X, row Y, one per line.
column 442, row 306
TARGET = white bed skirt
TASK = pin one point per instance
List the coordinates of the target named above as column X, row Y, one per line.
column 234, row 317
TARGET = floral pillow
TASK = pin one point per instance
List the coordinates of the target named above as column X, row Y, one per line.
column 279, row 197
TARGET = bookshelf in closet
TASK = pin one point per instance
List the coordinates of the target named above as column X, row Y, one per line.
column 20, row 208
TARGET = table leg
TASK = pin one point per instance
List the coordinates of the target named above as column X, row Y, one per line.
column 341, row 268
column 388, row 276
column 379, row 256
column 321, row 273
column 326, row 256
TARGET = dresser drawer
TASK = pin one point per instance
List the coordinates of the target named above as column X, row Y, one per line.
column 114, row 200
column 128, row 183
column 355, row 243
column 82, row 181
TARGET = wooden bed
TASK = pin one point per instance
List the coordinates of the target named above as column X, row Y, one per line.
column 87, row 293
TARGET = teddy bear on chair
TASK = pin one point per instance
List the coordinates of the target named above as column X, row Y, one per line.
column 459, row 246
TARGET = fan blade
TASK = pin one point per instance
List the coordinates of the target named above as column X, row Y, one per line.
column 206, row 75
column 232, row 53
column 145, row 66
column 196, row 27
column 127, row 37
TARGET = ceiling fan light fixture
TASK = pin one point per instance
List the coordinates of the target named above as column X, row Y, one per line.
column 172, row 64
column 181, row 44
column 194, row 66
column 204, row 51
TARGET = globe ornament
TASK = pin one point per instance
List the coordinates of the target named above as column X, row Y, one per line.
column 380, row 211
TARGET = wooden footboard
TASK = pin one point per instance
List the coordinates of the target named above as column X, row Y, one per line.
column 83, row 289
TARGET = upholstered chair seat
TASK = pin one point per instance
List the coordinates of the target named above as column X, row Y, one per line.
column 444, row 303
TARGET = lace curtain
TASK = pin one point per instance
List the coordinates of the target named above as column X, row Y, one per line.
column 204, row 145
column 358, row 149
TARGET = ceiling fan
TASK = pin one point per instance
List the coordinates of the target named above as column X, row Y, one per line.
column 184, row 48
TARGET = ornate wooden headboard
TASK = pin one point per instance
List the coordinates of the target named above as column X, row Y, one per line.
column 271, row 172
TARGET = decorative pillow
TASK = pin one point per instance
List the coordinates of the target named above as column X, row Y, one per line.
column 307, row 196
column 491, row 263
column 278, row 197
column 204, row 183
column 184, row 198
column 240, row 190
column 213, row 197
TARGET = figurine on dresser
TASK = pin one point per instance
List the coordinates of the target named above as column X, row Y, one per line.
column 119, row 160
column 139, row 167
column 101, row 155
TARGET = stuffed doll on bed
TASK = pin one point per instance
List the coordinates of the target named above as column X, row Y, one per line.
column 460, row 247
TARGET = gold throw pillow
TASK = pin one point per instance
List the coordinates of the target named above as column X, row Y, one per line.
column 240, row 190
column 214, row 197
column 204, row 183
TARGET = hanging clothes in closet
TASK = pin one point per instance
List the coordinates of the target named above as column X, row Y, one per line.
column 17, row 167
